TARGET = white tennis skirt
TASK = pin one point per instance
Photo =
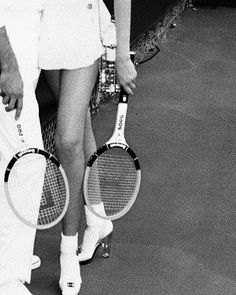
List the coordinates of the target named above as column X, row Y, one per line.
column 70, row 34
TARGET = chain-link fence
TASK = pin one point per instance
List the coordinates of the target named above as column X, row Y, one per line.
column 228, row 3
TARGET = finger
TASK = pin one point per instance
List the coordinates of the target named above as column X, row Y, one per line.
column 132, row 85
column 19, row 107
column 2, row 94
column 128, row 90
column 11, row 104
column 5, row 100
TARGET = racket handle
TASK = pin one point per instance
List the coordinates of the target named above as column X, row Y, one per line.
column 123, row 94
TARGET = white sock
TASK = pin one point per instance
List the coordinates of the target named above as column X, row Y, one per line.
column 70, row 278
column 69, row 244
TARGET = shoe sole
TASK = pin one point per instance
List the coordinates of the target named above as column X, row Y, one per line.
column 100, row 243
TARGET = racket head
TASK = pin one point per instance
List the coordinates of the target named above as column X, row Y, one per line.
column 112, row 177
column 42, row 201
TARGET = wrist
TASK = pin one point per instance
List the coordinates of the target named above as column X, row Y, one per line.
column 123, row 48
column 123, row 55
column 9, row 62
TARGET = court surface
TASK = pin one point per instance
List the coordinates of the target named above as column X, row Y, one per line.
column 180, row 237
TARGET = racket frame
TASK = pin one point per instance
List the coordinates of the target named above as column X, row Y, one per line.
column 47, row 156
column 117, row 140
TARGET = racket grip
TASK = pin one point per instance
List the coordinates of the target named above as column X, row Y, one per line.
column 123, row 95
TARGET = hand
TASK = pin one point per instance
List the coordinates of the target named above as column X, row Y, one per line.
column 126, row 74
column 11, row 86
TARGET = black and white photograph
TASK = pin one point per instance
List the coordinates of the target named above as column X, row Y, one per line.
column 117, row 147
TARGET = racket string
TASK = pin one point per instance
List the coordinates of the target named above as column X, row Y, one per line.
column 53, row 195
column 37, row 190
column 23, row 193
column 112, row 180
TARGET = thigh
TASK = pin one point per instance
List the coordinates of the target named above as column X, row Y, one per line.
column 53, row 80
column 75, row 93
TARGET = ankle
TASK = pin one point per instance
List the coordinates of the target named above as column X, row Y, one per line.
column 94, row 221
column 69, row 244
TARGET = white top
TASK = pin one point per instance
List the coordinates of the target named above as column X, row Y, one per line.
column 70, row 34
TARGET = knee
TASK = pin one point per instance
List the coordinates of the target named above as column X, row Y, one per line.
column 69, row 145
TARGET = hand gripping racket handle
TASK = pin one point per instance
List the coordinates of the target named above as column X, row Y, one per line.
column 123, row 94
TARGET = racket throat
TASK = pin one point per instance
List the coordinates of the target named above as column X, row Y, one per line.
column 118, row 134
column 22, row 141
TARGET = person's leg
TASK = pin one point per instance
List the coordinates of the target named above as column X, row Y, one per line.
column 98, row 231
column 53, row 80
column 17, row 239
column 75, row 91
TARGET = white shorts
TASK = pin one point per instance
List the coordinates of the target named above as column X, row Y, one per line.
column 70, row 35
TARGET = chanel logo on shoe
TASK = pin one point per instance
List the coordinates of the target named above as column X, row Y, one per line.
column 71, row 284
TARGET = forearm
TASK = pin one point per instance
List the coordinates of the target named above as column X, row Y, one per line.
column 5, row 47
column 11, row 83
column 7, row 56
column 123, row 23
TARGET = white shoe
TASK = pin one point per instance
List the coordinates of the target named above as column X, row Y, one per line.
column 97, row 233
column 70, row 278
column 36, row 262
column 14, row 288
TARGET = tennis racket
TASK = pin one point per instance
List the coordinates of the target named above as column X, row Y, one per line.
column 113, row 174
column 36, row 186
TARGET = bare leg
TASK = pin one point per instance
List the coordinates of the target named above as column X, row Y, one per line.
column 96, row 228
column 98, row 231
column 90, row 146
column 53, row 79
column 75, row 92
